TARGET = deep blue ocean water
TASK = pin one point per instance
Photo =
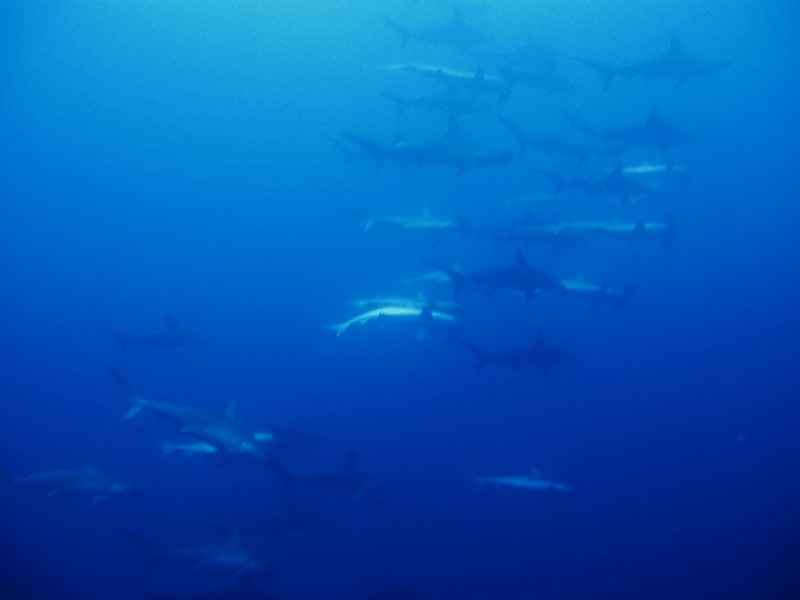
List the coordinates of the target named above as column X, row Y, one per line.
column 184, row 158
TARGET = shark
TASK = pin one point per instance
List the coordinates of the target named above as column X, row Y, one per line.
column 637, row 231
column 531, row 482
column 519, row 276
column 552, row 235
column 452, row 100
column 476, row 83
column 555, row 145
column 189, row 449
column 423, row 319
column 454, row 33
column 172, row 336
column 676, row 66
column 228, row 555
column 87, row 481
column 451, row 150
column 425, row 223
column 431, row 278
column 224, row 432
column 598, row 294
column 660, row 176
column 419, row 302
column 349, row 478
column 654, row 132
column 533, row 66
column 539, row 355
column 613, row 183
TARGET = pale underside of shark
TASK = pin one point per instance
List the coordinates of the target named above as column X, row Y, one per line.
column 88, row 481
column 422, row 319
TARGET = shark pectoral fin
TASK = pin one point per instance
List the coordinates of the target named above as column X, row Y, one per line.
column 422, row 333
column 98, row 499
column 224, row 459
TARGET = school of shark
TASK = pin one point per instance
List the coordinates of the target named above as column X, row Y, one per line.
column 635, row 168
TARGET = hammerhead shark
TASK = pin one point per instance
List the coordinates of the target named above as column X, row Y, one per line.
column 450, row 150
column 538, row 355
column 676, row 66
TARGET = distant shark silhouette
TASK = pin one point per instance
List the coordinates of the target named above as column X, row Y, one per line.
column 676, row 66
column 88, row 481
column 450, row 150
column 172, row 336
column 228, row 555
column 538, row 355
column 520, row 276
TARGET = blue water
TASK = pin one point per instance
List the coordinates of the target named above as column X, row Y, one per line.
column 176, row 158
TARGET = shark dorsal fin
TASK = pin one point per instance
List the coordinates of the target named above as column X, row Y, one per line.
column 617, row 171
column 426, row 212
column 539, row 339
column 675, row 46
column 655, row 116
column 231, row 410
column 351, row 464
column 520, row 258
column 480, row 74
column 171, row 323
column 426, row 314
column 535, row 474
column 453, row 130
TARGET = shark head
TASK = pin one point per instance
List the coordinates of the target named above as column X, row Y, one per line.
column 120, row 488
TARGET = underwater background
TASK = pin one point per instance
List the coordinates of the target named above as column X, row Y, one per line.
column 184, row 161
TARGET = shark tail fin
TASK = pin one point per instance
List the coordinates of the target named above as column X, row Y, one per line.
column 121, row 338
column 339, row 329
column 403, row 32
column 119, row 379
column 147, row 547
column 608, row 72
column 480, row 354
column 515, row 131
column 457, row 278
column 135, row 409
column 167, row 448
column 374, row 149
